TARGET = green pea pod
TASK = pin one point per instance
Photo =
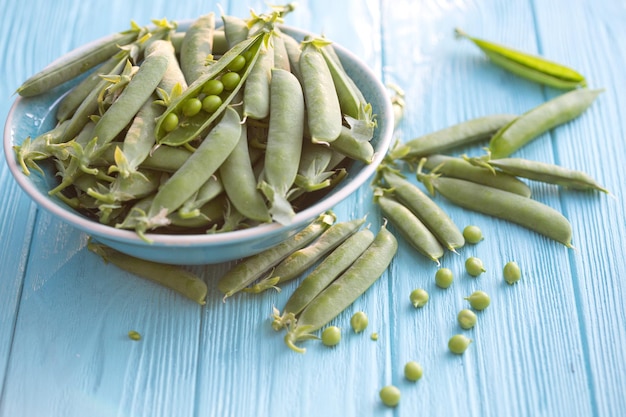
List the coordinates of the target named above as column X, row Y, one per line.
column 523, row 211
column 255, row 266
column 173, row 77
column 281, row 57
column 349, row 144
column 340, row 294
column 529, row 66
column 76, row 62
column 460, row 134
column 454, row 167
column 543, row 172
column 312, row 169
column 196, row 170
column 540, row 119
column 174, row 277
column 197, row 46
column 256, row 92
column 235, row 29
column 192, row 127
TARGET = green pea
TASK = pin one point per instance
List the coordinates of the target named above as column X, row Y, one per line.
column 213, row 87
column 390, row 395
column 413, row 371
column 374, row 336
column 479, row 300
column 459, row 343
column 474, row 266
column 511, row 272
column 331, row 336
column 472, row 234
column 170, row 122
column 237, row 63
column 211, row 103
column 466, row 318
column 230, row 80
column 359, row 321
column 192, row 107
column 444, row 277
column 134, row 335
column 419, row 297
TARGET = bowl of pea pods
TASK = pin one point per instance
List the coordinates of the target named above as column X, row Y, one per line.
column 201, row 141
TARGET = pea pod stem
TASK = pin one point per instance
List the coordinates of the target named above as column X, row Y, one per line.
column 532, row 67
column 174, row 277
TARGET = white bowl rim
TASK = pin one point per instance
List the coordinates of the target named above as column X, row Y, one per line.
column 158, row 239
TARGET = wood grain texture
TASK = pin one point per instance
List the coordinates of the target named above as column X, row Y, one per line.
column 550, row 345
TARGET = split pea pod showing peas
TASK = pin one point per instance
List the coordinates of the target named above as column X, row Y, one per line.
column 540, row 119
column 75, row 63
column 255, row 266
column 429, row 212
column 532, row 67
column 543, row 172
column 454, row 167
column 523, row 211
column 340, row 294
column 326, row 272
column 460, row 134
column 174, row 277
column 410, row 226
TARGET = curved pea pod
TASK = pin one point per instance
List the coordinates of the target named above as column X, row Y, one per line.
column 410, row 226
column 76, row 62
column 532, row 67
column 354, row 147
column 235, row 29
column 255, row 266
column 292, row 47
column 302, row 259
column 196, row 170
column 173, row 77
column 461, row 134
column 281, row 57
column 540, row 119
column 331, row 267
column 543, row 172
column 324, row 117
column 197, row 46
column 429, row 212
column 342, row 292
column 455, row 167
column 284, row 143
column 256, row 91
column 523, row 211
column 192, row 127
column 174, row 277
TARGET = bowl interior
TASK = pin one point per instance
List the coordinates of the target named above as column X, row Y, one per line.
column 30, row 117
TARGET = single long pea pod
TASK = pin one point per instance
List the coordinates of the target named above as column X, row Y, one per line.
column 543, row 172
column 162, row 158
column 411, row 227
column 511, row 207
column 190, row 128
column 198, row 168
column 254, row 267
column 529, row 66
column 240, row 182
column 235, row 29
column 324, row 117
column 173, row 277
column 281, row 57
column 76, row 62
column 540, row 119
column 352, row 146
column 292, row 47
column 348, row 100
column 456, row 167
column 197, row 46
column 173, row 74
column 301, row 260
column 331, row 267
column 256, row 91
column 427, row 210
column 342, row 292
column 210, row 190
column 284, row 143
column 460, row 134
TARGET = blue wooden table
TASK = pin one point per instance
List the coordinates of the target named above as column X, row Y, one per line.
column 551, row 345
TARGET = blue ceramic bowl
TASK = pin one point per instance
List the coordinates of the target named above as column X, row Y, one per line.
column 36, row 115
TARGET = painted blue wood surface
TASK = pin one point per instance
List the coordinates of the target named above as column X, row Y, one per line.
column 551, row 345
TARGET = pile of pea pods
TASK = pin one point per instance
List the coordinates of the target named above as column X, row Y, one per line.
column 206, row 130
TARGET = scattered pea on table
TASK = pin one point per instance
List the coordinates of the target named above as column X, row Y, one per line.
column 413, row 371
column 359, row 321
column 511, row 272
column 474, row 266
column 331, row 336
column 390, row 395
column 479, row 300
column 419, row 297
column 444, row 277
column 459, row 343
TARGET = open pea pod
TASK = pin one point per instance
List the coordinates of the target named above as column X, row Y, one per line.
column 191, row 127
column 529, row 66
